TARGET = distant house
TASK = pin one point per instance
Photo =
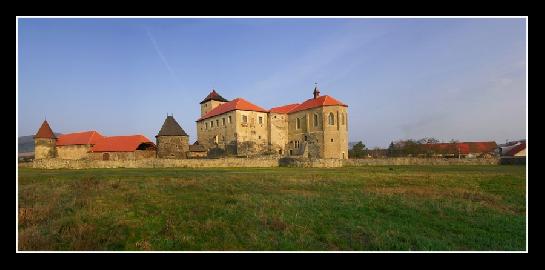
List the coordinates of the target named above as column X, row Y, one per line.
column 461, row 149
column 513, row 149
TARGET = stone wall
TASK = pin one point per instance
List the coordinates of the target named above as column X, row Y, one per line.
column 44, row 148
column 252, row 162
column 419, row 161
column 154, row 163
column 122, row 156
column 73, row 151
column 172, row 146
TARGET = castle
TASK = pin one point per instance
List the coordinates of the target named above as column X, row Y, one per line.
column 315, row 128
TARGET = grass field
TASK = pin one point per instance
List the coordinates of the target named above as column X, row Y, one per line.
column 359, row 208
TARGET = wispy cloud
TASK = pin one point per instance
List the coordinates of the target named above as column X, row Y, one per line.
column 161, row 55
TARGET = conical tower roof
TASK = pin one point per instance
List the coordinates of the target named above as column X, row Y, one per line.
column 45, row 131
column 171, row 128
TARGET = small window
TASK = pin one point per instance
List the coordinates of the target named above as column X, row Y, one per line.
column 305, row 138
column 331, row 119
column 259, row 137
column 244, row 119
column 229, row 119
column 342, row 118
column 217, row 122
column 106, row 156
column 223, row 121
column 275, row 118
column 315, row 120
column 206, row 125
column 331, row 139
column 261, row 120
column 211, row 123
column 297, row 123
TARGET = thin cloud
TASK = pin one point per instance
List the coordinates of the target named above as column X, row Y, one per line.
column 161, row 55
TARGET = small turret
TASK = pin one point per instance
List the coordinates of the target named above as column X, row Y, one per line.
column 172, row 141
column 45, row 142
column 316, row 92
column 211, row 101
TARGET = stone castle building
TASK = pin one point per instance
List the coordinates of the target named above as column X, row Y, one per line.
column 316, row 128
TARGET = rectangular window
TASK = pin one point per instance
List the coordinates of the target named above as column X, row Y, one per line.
column 229, row 119
column 206, row 125
column 297, row 123
column 261, row 120
column 244, row 119
column 211, row 123
column 217, row 122
column 223, row 121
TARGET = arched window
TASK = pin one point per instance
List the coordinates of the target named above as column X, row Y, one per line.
column 331, row 119
column 315, row 120
column 298, row 123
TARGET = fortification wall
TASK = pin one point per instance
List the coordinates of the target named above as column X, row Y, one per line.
column 419, row 161
column 251, row 162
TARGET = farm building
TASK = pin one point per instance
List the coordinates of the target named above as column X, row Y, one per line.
column 514, row 149
column 123, row 148
column 90, row 145
column 76, row 145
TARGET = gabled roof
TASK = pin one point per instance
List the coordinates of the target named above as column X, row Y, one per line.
column 45, row 131
column 235, row 104
column 213, row 96
column 86, row 137
column 285, row 108
column 317, row 102
column 171, row 128
column 515, row 149
column 120, row 143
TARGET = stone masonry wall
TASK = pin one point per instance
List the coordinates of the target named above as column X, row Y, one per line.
column 251, row 162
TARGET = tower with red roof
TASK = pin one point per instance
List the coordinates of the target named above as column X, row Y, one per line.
column 45, row 142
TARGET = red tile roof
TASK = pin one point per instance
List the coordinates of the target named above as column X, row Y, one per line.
column 462, row 147
column 317, row 102
column 235, row 104
column 86, row 137
column 45, row 131
column 120, row 143
column 517, row 148
column 285, row 108
column 213, row 96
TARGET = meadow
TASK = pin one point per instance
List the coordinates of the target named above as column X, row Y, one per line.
column 374, row 208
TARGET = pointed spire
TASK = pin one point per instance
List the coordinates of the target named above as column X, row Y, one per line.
column 316, row 92
column 45, row 131
column 214, row 96
column 171, row 128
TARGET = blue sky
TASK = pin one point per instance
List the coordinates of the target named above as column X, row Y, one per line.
column 402, row 78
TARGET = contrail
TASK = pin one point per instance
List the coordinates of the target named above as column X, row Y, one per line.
column 161, row 55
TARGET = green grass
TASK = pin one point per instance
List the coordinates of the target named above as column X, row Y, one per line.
column 357, row 208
